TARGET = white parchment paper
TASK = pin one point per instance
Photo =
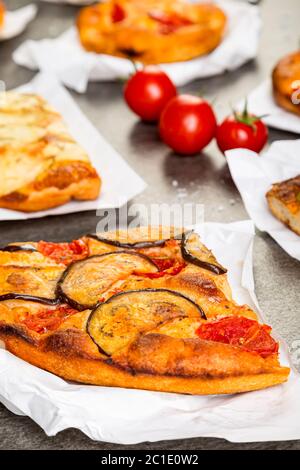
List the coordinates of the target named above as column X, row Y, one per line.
column 75, row 67
column 16, row 21
column 131, row 416
column 254, row 174
column 119, row 181
column 261, row 102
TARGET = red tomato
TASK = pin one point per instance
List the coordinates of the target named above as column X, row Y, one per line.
column 64, row 253
column 48, row 319
column 187, row 124
column 242, row 332
column 118, row 13
column 242, row 130
column 169, row 22
column 148, row 91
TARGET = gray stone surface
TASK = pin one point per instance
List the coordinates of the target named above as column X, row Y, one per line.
column 205, row 178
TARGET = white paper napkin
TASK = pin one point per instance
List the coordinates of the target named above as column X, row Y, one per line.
column 131, row 416
column 75, row 67
column 16, row 21
column 260, row 102
column 254, row 174
column 120, row 183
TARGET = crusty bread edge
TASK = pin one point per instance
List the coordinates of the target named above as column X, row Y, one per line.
column 86, row 189
column 100, row 372
column 273, row 201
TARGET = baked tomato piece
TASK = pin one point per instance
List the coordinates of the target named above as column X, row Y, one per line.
column 169, row 22
column 118, row 13
column 64, row 253
column 242, row 332
column 166, row 266
column 48, row 319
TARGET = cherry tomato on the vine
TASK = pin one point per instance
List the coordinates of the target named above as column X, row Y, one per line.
column 187, row 124
column 148, row 91
column 242, row 130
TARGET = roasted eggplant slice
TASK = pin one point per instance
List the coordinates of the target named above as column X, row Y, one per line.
column 83, row 283
column 24, row 280
column 196, row 253
column 14, row 248
column 118, row 321
column 29, row 298
column 134, row 245
column 127, row 246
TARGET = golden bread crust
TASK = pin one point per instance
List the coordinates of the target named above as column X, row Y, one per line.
column 163, row 350
column 100, row 372
column 151, row 32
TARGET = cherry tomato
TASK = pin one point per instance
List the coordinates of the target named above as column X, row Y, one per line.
column 148, row 91
column 242, row 130
column 187, row 124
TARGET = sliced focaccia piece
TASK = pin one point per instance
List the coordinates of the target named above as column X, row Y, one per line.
column 130, row 309
column 284, row 202
column 41, row 165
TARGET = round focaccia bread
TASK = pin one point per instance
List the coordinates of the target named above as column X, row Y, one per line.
column 146, row 308
column 286, row 82
column 151, row 32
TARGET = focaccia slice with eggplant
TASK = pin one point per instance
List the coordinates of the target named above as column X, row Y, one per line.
column 131, row 310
